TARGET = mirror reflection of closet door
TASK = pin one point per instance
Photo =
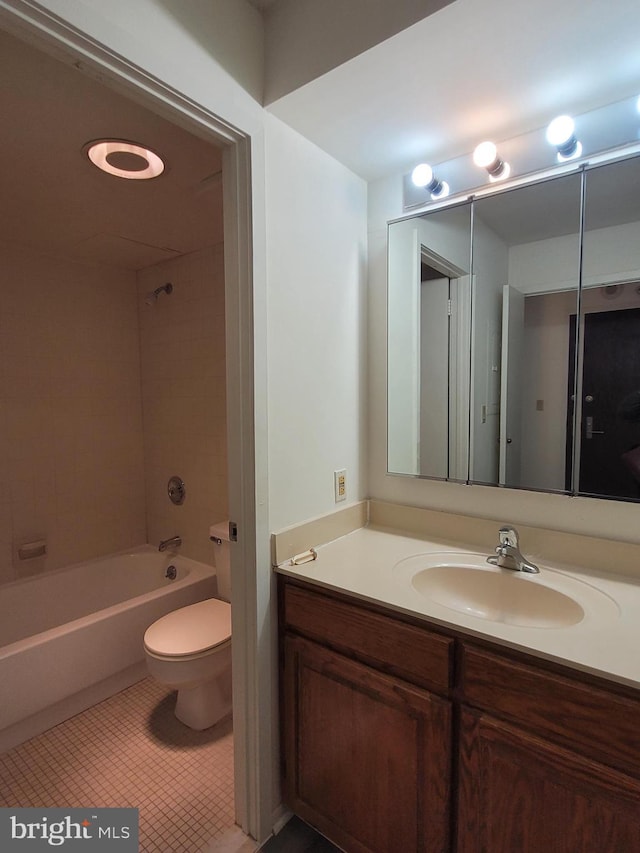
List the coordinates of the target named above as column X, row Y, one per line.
column 434, row 377
column 510, row 386
column 445, row 316
column 611, row 372
column 609, row 333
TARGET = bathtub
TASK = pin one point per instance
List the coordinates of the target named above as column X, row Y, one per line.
column 72, row 637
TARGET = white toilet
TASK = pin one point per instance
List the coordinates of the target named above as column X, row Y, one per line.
column 190, row 648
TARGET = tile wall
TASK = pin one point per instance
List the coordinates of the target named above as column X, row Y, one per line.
column 71, row 444
column 81, row 359
column 182, row 342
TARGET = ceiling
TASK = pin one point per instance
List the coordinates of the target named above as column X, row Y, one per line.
column 55, row 201
column 471, row 70
column 550, row 209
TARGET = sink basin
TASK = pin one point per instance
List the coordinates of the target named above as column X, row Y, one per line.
column 511, row 598
column 468, row 584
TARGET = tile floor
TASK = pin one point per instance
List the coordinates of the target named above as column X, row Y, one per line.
column 131, row 751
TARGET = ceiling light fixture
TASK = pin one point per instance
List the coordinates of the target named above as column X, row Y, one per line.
column 486, row 157
column 423, row 177
column 560, row 133
column 124, row 159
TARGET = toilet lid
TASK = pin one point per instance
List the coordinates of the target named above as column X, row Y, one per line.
column 189, row 630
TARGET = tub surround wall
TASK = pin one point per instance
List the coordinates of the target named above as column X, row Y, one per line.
column 70, row 411
column 182, row 341
column 73, row 341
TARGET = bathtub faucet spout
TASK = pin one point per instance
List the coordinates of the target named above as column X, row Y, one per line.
column 173, row 542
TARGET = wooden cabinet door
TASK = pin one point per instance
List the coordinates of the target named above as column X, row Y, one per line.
column 521, row 794
column 367, row 755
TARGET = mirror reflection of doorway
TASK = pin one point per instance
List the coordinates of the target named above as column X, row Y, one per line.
column 433, row 451
column 610, row 374
column 445, row 300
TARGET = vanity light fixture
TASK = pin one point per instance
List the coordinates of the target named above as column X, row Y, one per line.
column 423, row 177
column 561, row 134
column 124, row 159
column 486, row 157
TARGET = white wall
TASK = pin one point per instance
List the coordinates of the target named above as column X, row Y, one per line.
column 305, row 39
column 316, row 234
column 609, row 519
column 609, row 255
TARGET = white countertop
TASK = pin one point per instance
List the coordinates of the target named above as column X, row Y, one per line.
column 605, row 642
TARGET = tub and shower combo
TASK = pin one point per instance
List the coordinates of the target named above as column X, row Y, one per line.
column 72, row 637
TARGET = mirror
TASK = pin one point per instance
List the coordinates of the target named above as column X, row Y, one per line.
column 607, row 453
column 428, row 332
column 517, row 368
column 526, row 267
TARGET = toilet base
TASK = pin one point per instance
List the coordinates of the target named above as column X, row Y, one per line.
column 206, row 704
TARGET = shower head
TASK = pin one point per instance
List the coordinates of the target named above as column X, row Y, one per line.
column 152, row 297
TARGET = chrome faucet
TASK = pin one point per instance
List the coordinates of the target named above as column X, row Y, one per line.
column 508, row 554
column 173, row 542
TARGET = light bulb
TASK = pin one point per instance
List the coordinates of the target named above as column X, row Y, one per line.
column 560, row 134
column 485, row 154
column 501, row 174
column 560, row 131
column 574, row 150
column 422, row 175
column 443, row 192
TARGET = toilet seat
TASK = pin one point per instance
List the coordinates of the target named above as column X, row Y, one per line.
column 190, row 631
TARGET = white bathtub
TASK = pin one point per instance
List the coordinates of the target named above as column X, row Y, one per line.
column 71, row 637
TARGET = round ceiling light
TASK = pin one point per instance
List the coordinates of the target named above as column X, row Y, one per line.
column 124, row 159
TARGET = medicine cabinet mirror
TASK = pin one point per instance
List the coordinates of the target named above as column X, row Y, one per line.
column 514, row 337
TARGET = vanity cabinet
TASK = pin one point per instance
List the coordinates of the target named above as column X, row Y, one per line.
column 398, row 737
column 546, row 762
column 367, row 740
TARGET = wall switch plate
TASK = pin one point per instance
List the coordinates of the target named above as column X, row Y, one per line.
column 340, row 484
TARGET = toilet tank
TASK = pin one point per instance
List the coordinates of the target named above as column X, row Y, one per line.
column 219, row 535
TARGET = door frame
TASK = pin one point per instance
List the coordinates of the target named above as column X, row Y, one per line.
column 252, row 740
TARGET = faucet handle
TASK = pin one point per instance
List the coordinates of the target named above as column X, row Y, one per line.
column 508, row 536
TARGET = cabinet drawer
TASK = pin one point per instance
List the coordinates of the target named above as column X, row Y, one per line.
column 407, row 651
column 599, row 724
